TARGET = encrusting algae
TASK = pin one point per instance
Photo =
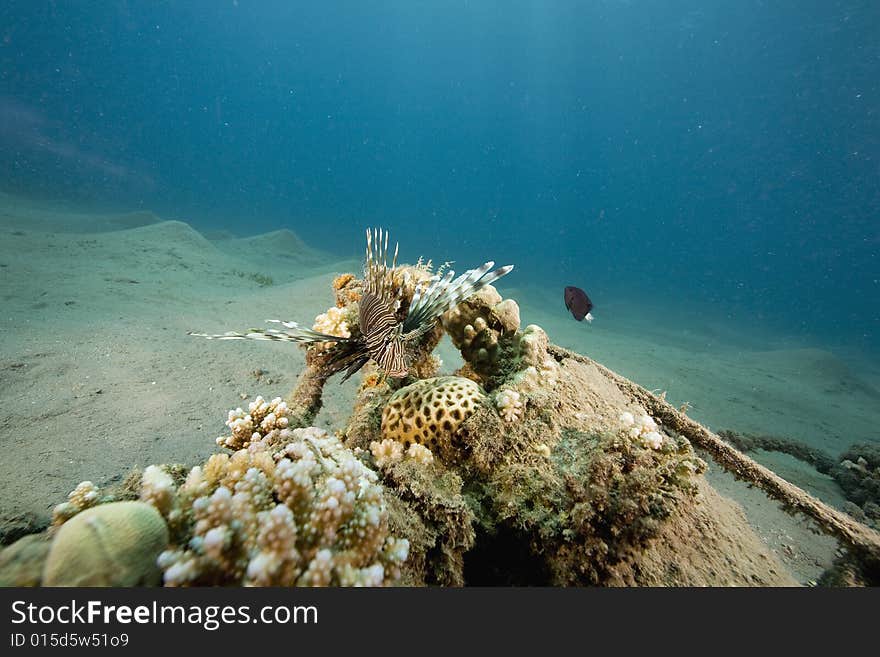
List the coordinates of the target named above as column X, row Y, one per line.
column 528, row 465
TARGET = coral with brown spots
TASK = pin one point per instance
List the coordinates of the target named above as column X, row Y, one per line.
column 559, row 490
column 567, row 492
column 429, row 412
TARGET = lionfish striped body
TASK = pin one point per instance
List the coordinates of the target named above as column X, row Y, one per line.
column 382, row 337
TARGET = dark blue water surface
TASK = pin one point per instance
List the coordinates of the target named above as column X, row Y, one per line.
column 722, row 152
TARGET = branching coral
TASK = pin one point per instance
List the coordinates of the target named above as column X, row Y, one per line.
column 554, row 478
column 536, row 369
column 509, row 405
column 644, row 429
column 264, row 421
column 311, row 514
column 334, row 322
column 387, row 452
column 426, row 367
column 84, row 496
column 420, row 454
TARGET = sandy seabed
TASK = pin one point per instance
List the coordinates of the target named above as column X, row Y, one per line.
column 98, row 375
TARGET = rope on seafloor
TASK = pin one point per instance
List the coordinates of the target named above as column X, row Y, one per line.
column 861, row 540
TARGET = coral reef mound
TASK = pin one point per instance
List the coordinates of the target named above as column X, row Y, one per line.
column 549, row 470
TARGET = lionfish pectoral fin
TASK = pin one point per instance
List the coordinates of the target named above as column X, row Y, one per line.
column 292, row 332
column 229, row 335
column 354, row 368
column 445, row 293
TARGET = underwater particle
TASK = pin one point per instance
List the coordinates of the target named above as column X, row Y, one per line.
column 578, row 303
column 430, row 412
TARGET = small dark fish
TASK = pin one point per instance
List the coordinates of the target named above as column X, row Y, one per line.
column 577, row 301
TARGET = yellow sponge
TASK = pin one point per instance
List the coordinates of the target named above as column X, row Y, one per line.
column 430, row 412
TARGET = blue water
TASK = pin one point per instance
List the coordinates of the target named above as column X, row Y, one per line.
column 719, row 154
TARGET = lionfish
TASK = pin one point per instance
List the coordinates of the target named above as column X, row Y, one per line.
column 382, row 338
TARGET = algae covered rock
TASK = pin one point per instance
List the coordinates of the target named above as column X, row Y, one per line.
column 858, row 474
column 114, row 544
column 21, row 564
